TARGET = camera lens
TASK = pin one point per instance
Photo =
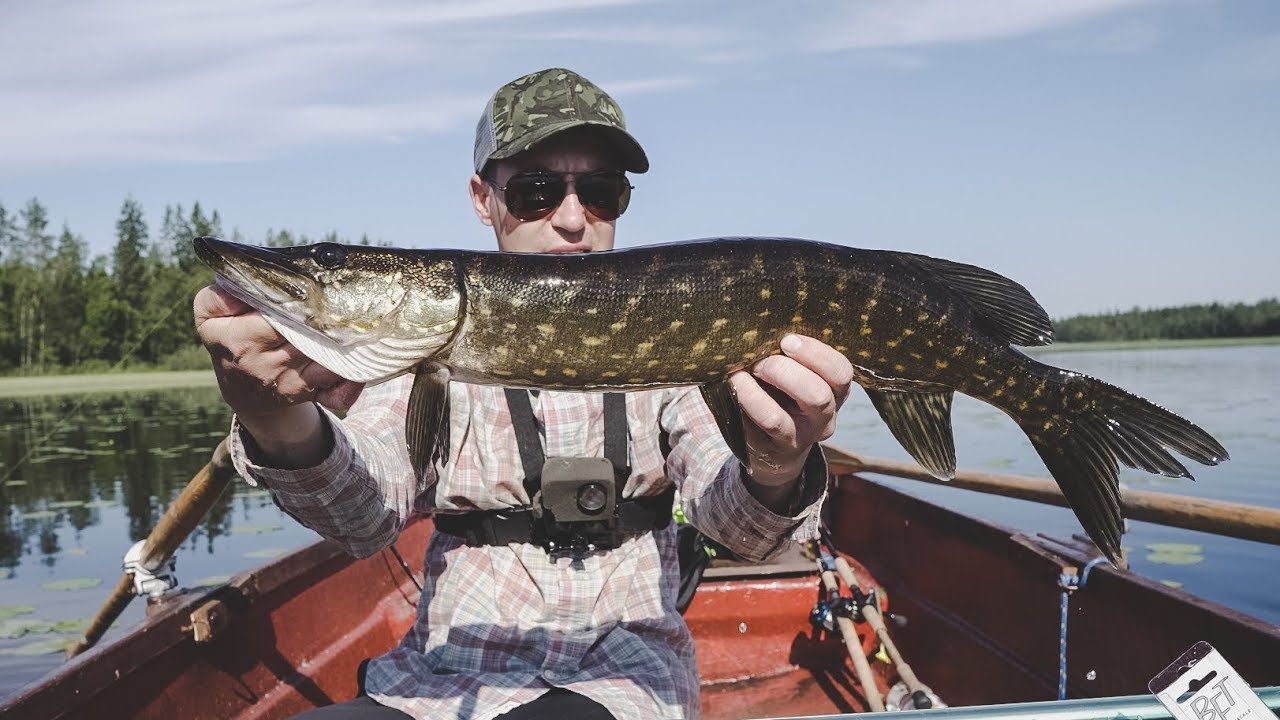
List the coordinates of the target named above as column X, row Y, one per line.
column 592, row 498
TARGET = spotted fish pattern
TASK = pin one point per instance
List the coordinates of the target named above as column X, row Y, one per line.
column 917, row 330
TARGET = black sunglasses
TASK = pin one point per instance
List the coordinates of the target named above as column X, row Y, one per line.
column 535, row 195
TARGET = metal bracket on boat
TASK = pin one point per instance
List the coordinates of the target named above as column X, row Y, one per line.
column 208, row 620
column 152, row 583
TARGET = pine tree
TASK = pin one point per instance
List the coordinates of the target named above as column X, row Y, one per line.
column 129, row 277
column 66, row 316
column 34, row 251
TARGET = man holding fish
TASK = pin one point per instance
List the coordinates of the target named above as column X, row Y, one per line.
column 550, row 587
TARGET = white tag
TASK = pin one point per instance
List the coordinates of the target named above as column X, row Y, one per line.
column 1200, row 685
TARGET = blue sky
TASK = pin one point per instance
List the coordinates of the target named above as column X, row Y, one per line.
column 1104, row 153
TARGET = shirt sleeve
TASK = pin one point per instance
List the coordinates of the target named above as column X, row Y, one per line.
column 713, row 492
column 361, row 494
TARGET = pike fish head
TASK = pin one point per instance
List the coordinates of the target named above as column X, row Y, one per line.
column 366, row 313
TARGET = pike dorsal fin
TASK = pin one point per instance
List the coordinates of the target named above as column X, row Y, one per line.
column 1001, row 306
column 921, row 421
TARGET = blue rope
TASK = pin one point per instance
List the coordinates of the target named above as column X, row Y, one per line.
column 1069, row 583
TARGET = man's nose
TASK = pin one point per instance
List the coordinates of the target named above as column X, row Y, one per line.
column 570, row 216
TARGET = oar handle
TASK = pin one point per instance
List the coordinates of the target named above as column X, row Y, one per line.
column 850, row 636
column 179, row 520
column 1238, row 520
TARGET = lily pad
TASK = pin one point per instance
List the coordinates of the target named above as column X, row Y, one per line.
column 1175, row 553
column 266, row 553
column 72, row 584
column 72, row 625
column 48, row 646
column 1175, row 558
column 38, row 515
column 12, row 611
column 18, row 627
column 212, row 581
column 254, row 529
column 1182, row 548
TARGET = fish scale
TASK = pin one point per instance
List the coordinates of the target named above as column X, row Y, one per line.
column 916, row 329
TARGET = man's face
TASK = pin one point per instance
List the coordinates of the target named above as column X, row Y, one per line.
column 568, row 228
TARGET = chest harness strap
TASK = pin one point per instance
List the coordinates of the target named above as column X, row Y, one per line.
column 538, row 523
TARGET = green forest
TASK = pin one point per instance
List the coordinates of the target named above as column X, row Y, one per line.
column 1215, row 320
column 65, row 311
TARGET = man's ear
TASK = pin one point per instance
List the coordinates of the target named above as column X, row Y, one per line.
column 481, row 192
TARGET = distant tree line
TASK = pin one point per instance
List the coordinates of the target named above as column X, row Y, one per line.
column 62, row 310
column 1189, row 321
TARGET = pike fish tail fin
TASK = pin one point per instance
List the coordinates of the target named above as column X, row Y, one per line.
column 921, row 422
column 1084, row 451
column 1000, row 306
column 723, row 404
column 426, row 424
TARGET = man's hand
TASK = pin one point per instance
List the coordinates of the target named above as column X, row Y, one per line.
column 789, row 402
column 268, row 382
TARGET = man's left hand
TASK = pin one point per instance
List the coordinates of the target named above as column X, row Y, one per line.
column 789, row 402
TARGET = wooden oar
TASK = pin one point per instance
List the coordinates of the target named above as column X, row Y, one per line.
column 1248, row 522
column 186, row 511
column 851, row 642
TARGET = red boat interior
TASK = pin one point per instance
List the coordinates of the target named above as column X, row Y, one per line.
column 981, row 608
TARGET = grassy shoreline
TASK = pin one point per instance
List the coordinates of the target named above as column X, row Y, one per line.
column 28, row 386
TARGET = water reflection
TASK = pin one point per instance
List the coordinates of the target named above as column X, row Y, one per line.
column 64, row 460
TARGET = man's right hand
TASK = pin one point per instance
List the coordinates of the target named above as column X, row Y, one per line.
column 268, row 383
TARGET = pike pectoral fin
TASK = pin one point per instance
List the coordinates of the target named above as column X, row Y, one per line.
column 724, row 407
column 921, row 421
column 426, row 425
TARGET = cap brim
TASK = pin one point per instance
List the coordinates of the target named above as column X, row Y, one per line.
column 629, row 150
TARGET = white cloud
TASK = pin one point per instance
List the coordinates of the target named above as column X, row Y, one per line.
column 907, row 23
column 237, row 80
column 151, row 81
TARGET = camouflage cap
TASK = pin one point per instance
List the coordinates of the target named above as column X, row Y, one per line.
column 530, row 109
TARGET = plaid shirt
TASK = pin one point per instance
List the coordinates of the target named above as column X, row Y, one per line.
column 498, row 625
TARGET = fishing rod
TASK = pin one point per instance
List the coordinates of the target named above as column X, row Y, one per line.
column 869, row 608
column 841, row 611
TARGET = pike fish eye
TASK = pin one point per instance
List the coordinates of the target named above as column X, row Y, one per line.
column 329, row 255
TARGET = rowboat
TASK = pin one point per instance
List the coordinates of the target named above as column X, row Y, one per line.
column 985, row 615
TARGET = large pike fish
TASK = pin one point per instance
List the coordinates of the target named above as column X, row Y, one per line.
column 917, row 330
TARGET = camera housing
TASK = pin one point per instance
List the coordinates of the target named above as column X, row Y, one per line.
column 579, row 489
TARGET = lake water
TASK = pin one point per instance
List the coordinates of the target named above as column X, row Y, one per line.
column 82, row 477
